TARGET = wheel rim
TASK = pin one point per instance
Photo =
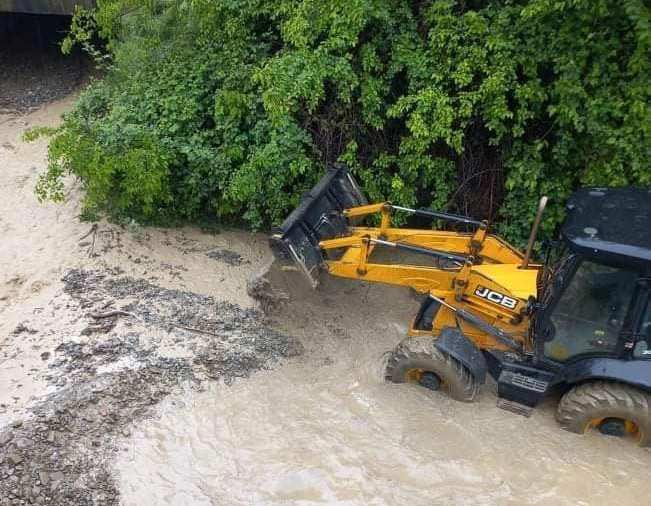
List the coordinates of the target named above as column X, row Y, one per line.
column 612, row 426
column 414, row 375
column 424, row 378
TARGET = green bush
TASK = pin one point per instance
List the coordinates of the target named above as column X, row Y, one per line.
column 232, row 108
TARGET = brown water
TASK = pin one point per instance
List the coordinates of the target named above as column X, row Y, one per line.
column 326, row 429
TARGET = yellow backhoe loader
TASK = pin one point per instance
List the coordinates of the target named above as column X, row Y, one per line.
column 579, row 323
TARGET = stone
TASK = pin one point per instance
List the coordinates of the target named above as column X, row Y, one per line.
column 6, row 437
column 43, row 477
column 56, row 476
column 22, row 443
column 15, row 459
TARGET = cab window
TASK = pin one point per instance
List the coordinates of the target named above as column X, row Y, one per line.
column 591, row 311
column 643, row 346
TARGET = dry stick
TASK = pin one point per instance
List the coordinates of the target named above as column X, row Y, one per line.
column 108, row 304
column 92, row 229
column 91, row 250
column 192, row 329
column 108, row 314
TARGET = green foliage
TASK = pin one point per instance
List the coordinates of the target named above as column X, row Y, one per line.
column 233, row 108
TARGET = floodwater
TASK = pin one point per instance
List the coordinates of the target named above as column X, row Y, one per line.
column 327, row 429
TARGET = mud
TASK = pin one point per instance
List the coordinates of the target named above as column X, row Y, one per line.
column 171, row 340
column 99, row 323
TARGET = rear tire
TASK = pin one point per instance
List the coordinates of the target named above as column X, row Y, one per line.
column 415, row 356
column 595, row 404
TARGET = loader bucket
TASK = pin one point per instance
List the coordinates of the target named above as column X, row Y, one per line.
column 318, row 217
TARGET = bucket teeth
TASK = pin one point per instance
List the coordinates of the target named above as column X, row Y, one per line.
column 318, row 217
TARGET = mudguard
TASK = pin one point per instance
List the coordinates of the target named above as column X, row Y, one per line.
column 633, row 372
column 458, row 346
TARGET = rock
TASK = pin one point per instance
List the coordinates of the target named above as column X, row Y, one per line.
column 43, row 477
column 45, row 355
column 23, row 443
column 21, row 327
column 6, row 437
column 15, row 459
column 16, row 423
column 56, row 476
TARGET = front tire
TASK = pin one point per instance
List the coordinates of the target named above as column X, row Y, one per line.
column 604, row 406
column 415, row 359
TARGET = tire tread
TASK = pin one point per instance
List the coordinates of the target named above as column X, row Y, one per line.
column 605, row 399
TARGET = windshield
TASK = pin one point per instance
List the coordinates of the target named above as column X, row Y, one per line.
column 590, row 312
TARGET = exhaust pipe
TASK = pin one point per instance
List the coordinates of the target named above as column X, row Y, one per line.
column 534, row 232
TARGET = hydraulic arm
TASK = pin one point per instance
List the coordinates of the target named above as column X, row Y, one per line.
column 475, row 275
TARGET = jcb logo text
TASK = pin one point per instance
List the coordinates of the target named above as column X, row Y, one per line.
column 496, row 297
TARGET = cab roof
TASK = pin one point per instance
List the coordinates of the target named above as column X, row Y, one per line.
column 611, row 225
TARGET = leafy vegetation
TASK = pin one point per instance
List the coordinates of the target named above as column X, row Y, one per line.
column 233, row 108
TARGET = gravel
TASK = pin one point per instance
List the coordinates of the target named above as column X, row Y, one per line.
column 106, row 382
column 227, row 256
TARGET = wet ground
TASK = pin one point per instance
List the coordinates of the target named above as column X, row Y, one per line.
column 135, row 369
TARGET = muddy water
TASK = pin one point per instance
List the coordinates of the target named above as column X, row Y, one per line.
column 326, row 429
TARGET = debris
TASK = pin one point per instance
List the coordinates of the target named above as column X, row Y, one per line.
column 109, row 314
column 92, row 230
column 227, row 256
column 107, row 383
column 21, row 328
column 259, row 287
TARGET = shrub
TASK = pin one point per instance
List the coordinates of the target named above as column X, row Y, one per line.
column 233, row 108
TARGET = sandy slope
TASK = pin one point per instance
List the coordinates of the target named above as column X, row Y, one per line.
column 40, row 242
